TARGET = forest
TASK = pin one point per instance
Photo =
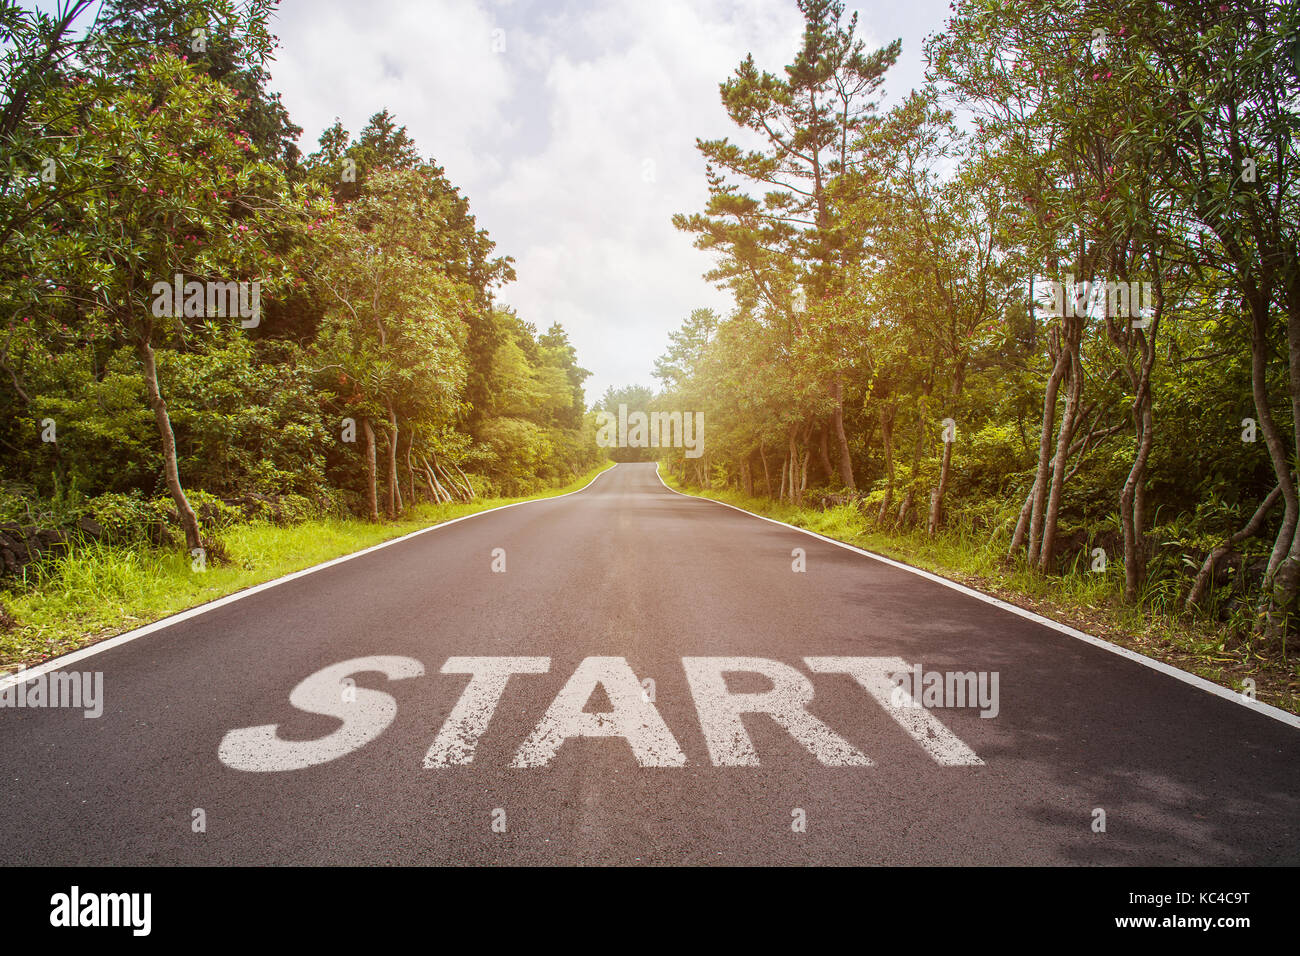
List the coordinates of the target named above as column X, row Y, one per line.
column 205, row 326
column 1046, row 307
column 1041, row 314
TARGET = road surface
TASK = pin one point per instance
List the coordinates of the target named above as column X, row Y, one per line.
column 688, row 625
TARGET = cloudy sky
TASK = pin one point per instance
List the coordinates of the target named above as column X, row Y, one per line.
column 571, row 126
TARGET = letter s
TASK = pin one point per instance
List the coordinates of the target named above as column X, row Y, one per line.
column 365, row 714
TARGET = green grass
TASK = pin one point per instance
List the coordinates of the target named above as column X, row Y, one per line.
column 1084, row 600
column 97, row 591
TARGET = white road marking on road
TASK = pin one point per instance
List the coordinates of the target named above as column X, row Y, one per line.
column 720, row 709
column 633, row 717
column 459, row 735
column 63, row 661
column 365, row 714
column 1268, row 710
column 873, row 674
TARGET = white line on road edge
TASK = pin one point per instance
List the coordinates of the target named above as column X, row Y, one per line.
column 1258, row 706
column 58, row 663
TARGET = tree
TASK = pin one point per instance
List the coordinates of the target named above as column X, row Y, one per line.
column 808, row 119
column 394, row 327
column 160, row 172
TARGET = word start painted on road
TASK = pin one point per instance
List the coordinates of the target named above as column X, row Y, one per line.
column 366, row 713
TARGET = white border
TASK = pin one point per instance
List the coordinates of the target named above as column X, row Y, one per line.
column 1267, row 710
column 72, row 657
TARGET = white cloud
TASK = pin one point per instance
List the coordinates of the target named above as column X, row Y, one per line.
column 436, row 71
column 554, row 139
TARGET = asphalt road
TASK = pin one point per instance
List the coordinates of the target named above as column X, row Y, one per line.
column 637, row 582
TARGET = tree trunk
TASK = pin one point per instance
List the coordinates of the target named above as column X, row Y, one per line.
column 449, row 483
column 1022, row 523
column 837, row 418
column 410, row 472
column 887, row 413
column 803, row 475
column 428, row 481
column 1130, row 520
column 1286, row 582
column 1079, row 446
column 440, row 493
column 936, row 497
column 945, row 468
column 1205, row 578
column 1131, row 342
column 905, row 509
column 791, row 462
column 1064, row 434
column 394, row 491
column 824, row 452
column 171, row 469
column 372, row 479
column 1270, row 608
column 469, row 488
column 1039, row 490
